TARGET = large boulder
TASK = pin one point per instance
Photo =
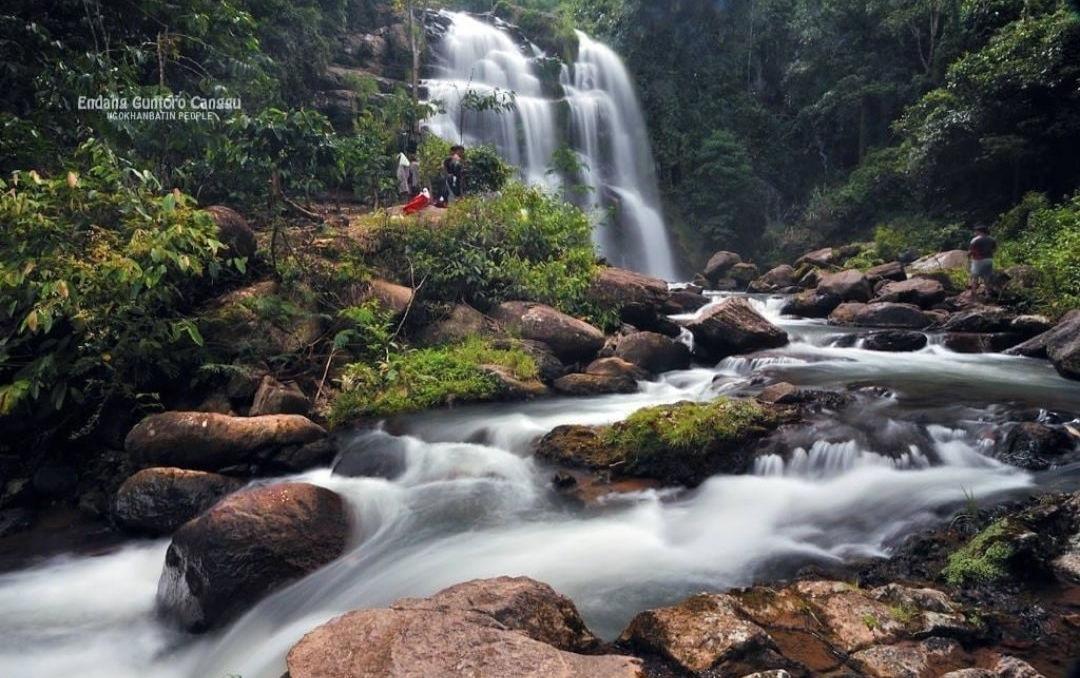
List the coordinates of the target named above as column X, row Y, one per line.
column 616, row 367
column 653, row 352
column 485, row 629
column 850, row 285
column 939, row 262
column 156, row 501
column 893, row 270
column 883, row 314
column 980, row 318
column 570, row 339
column 248, row 545
column 461, row 323
column 733, row 327
column 822, row 258
column 728, row 434
column 719, row 265
column 236, row 319
column 894, row 341
column 584, row 384
column 210, row 442
column 922, row 292
column 811, row 304
column 1061, row 345
column 781, row 277
column 641, row 299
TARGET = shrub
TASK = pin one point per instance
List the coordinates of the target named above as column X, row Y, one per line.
column 521, row 244
column 94, row 276
column 1047, row 238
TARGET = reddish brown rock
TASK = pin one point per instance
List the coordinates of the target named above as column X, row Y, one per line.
column 483, row 629
column 208, row 442
column 570, row 339
column 248, row 545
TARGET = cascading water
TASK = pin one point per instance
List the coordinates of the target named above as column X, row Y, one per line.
column 600, row 121
column 472, row 503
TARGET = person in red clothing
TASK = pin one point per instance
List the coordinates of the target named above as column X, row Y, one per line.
column 981, row 249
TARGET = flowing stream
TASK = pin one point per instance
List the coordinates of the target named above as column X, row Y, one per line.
column 473, row 503
column 590, row 109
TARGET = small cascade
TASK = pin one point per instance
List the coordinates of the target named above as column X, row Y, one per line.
column 592, row 110
column 830, row 459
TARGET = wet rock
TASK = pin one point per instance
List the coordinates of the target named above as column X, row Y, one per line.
column 970, row 342
column 1061, row 345
column 372, row 454
column 294, row 459
column 156, row 501
column 653, row 352
column 980, row 318
column 782, row 393
column 248, row 545
column 727, row 441
column 922, row 292
column 274, row 397
column 1030, row 445
column 811, row 304
column 485, row 629
column 210, row 442
column 570, row 339
column 884, row 314
column 894, row 341
column 849, row 285
column 733, row 327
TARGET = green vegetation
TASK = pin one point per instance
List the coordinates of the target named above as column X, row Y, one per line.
column 1047, row 238
column 96, row 279
column 520, row 244
column 983, row 560
column 420, row 379
column 688, row 428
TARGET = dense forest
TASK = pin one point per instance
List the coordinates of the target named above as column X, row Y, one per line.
column 777, row 126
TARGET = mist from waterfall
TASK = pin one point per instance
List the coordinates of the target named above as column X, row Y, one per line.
column 592, row 111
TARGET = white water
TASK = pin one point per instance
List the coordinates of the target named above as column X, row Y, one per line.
column 603, row 126
column 484, row 508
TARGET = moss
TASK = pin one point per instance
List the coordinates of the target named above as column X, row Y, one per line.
column 425, row 378
column 984, row 559
column 688, row 428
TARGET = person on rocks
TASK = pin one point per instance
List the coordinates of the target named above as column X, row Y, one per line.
column 454, row 169
column 981, row 250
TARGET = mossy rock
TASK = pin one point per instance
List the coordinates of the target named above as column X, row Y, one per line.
column 679, row 444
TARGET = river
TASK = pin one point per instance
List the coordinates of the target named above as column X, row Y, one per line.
column 473, row 503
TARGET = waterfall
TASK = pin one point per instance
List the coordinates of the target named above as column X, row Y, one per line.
column 592, row 111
